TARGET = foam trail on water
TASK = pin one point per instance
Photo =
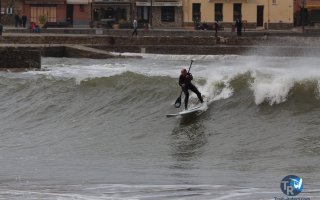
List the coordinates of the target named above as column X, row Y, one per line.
column 181, row 57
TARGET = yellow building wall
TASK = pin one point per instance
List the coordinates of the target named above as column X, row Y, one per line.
column 282, row 11
column 249, row 12
column 207, row 10
column 227, row 12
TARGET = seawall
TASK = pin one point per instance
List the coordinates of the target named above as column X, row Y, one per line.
column 99, row 46
column 23, row 49
column 14, row 58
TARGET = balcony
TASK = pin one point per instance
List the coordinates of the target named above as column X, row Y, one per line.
column 235, row 1
column 159, row 3
column 41, row 2
column 79, row 1
column 111, row 1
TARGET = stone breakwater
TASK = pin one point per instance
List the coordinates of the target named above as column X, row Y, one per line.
column 13, row 58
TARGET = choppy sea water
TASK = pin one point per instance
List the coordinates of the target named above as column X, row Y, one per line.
column 96, row 129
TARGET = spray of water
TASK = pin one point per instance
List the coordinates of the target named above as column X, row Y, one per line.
column 268, row 80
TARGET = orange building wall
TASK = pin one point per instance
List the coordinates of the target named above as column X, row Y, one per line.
column 81, row 17
column 81, row 14
column 61, row 13
column 27, row 11
column 308, row 3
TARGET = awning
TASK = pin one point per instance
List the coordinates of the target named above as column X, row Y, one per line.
column 113, row 4
column 42, row 2
column 111, row 1
column 174, row 3
column 230, row 1
column 313, row 6
column 79, row 1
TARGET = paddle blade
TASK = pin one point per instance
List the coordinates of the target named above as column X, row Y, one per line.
column 177, row 104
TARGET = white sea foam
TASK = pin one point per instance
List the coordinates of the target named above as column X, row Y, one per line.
column 132, row 192
column 273, row 91
column 271, row 83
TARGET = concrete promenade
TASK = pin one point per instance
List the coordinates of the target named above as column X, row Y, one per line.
column 97, row 43
column 309, row 31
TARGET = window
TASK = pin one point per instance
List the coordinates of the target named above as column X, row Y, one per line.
column 274, row 1
column 196, row 14
column 81, row 8
column 218, row 7
column 143, row 13
column 237, row 11
column 120, row 13
column 48, row 13
column 109, row 13
column 167, row 13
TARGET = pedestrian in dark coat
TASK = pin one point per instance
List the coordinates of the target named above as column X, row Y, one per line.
column 24, row 20
column 239, row 26
column 16, row 20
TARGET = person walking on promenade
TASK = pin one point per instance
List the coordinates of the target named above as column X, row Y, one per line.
column 216, row 28
column 135, row 27
column 1, row 29
column 239, row 26
column 16, row 20
column 24, row 21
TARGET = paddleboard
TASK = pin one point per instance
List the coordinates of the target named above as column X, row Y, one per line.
column 195, row 110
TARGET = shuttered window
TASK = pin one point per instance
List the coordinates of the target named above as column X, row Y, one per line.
column 50, row 12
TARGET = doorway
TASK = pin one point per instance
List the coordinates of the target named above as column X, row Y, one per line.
column 237, row 13
column 70, row 13
column 196, row 12
column 260, row 15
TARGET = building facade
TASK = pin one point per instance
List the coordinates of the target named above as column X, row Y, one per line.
column 159, row 13
column 275, row 14
column 78, row 12
column 113, row 11
column 307, row 12
column 40, row 11
column 8, row 10
column 75, row 12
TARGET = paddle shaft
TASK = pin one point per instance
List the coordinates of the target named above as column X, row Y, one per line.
column 190, row 66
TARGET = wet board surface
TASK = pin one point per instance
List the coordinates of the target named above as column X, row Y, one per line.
column 197, row 109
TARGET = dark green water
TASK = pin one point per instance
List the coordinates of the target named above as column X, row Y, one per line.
column 96, row 129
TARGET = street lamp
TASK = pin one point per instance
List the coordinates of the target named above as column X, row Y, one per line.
column 1, row 27
column 151, row 14
column 303, row 15
column 91, row 17
column 0, row 11
column 268, row 16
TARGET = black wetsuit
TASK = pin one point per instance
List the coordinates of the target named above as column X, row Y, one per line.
column 188, row 86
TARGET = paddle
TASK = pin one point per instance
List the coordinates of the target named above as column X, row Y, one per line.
column 177, row 104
